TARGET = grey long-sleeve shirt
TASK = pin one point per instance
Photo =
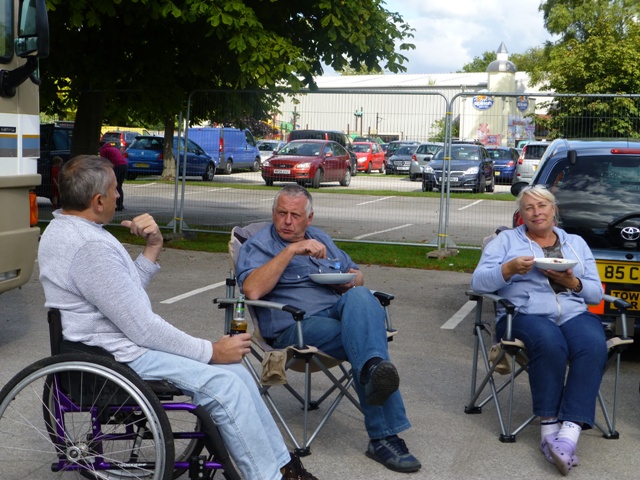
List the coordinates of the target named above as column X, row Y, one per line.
column 100, row 291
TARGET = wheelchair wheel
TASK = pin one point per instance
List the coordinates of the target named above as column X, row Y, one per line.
column 79, row 415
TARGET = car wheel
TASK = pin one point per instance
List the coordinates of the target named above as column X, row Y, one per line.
column 228, row 167
column 317, row 178
column 209, row 173
column 346, row 180
column 256, row 165
column 369, row 168
column 132, row 176
column 268, row 183
column 382, row 168
column 491, row 186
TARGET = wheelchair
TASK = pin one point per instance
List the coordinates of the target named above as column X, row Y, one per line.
column 79, row 413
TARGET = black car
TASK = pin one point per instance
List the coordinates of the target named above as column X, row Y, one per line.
column 471, row 168
column 597, row 187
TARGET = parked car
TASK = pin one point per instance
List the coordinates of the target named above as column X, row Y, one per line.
column 55, row 141
column 394, row 145
column 597, row 186
column 504, row 163
column 309, row 162
column 370, row 156
column 146, row 157
column 400, row 161
column 120, row 139
column 232, row 148
column 268, row 148
column 334, row 135
column 471, row 167
column 528, row 161
column 423, row 155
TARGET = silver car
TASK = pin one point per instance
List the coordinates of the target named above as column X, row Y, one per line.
column 528, row 161
column 421, row 157
column 268, row 147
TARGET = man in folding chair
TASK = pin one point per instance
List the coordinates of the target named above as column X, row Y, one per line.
column 551, row 319
column 90, row 277
column 345, row 321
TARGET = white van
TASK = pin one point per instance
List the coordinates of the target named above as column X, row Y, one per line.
column 231, row 147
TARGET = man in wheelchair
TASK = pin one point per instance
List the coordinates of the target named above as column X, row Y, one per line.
column 100, row 291
column 551, row 319
column 344, row 321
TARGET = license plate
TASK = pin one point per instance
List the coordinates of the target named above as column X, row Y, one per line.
column 619, row 272
column 403, row 168
column 141, row 165
column 281, row 171
column 496, row 173
column 452, row 179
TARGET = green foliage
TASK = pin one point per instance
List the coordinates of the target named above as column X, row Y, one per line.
column 438, row 129
column 533, row 58
column 598, row 52
column 479, row 64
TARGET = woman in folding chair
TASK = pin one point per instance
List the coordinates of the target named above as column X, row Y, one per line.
column 551, row 319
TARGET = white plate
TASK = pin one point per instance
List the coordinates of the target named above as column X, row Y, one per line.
column 332, row 278
column 557, row 264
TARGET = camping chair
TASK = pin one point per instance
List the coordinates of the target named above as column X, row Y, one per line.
column 301, row 358
column 508, row 357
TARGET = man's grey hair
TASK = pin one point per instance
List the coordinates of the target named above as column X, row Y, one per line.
column 294, row 191
column 81, row 178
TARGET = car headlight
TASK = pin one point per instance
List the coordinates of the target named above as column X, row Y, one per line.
column 266, row 163
column 472, row 171
column 303, row 166
column 428, row 169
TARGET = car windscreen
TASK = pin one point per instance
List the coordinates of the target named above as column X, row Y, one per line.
column 301, row 148
column 267, row 147
column 594, row 196
column 406, row 150
column 361, row 148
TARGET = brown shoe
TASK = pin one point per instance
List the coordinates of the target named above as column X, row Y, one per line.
column 295, row 471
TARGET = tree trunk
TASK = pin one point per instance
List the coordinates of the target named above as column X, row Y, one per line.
column 86, row 129
column 169, row 170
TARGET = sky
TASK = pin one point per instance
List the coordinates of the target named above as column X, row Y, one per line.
column 450, row 33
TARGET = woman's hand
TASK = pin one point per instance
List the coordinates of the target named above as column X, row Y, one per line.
column 566, row 278
column 516, row 266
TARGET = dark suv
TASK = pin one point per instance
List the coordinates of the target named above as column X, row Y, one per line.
column 471, row 167
column 55, row 141
column 597, row 187
column 338, row 137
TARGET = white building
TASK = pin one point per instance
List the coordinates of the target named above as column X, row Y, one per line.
column 412, row 106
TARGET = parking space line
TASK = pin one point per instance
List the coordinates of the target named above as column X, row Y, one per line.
column 471, row 205
column 459, row 316
column 359, row 237
column 372, row 201
column 193, row 292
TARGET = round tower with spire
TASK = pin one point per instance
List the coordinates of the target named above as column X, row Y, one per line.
column 501, row 72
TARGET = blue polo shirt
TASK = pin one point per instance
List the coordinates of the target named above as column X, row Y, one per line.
column 294, row 286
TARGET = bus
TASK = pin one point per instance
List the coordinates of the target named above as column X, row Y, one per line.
column 24, row 39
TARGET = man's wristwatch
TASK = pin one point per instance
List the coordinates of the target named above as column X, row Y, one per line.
column 578, row 288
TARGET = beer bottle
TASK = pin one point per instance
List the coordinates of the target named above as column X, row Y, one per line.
column 239, row 323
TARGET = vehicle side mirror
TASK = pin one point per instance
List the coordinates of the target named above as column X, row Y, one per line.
column 517, row 187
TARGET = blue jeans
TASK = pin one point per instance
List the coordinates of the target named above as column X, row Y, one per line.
column 230, row 395
column 354, row 329
column 580, row 342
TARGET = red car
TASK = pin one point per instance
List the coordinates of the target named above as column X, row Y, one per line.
column 370, row 156
column 309, row 162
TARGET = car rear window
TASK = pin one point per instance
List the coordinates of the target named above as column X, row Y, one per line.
column 533, row 152
column 111, row 137
column 146, row 143
column 595, row 192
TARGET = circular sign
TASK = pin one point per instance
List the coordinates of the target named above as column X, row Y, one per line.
column 482, row 102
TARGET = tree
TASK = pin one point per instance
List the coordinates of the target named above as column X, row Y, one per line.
column 533, row 58
column 598, row 52
column 137, row 60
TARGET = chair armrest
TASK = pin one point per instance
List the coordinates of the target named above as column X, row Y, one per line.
column 383, row 297
column 618, row 302
column 473, row 295
column 296, row 313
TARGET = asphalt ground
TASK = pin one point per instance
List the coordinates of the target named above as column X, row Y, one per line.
column 434, row 364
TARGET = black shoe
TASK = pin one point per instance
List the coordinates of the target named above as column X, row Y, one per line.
column 382, row 381
column 393, row 453
column 295, row 471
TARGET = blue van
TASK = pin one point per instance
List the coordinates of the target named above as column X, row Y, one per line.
column 231, row 147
